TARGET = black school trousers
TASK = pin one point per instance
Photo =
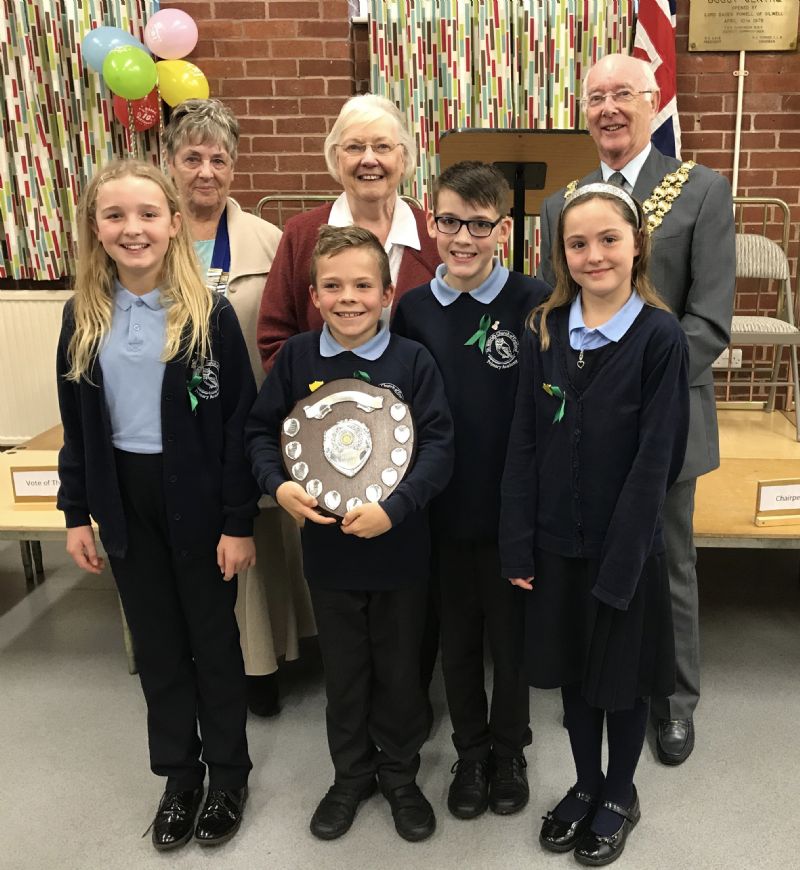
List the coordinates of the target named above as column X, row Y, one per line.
column 376, row 715
column 477, row 602
column 181, row 617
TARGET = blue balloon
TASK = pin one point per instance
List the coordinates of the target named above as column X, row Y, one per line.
column 98, row 42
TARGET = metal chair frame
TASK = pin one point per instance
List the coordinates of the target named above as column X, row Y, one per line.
column 759, row 257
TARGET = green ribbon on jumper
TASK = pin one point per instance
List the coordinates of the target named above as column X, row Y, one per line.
column 480, row 336
column 363, row 376
column 191, row 386
column 556, row 393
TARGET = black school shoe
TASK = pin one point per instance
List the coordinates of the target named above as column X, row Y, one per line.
column 336, row 811
column 508, row 784
column 221, row 816
column 468, row 796
column 173, row 824
column 559, row 836
column 413, row 815
column 594, row 850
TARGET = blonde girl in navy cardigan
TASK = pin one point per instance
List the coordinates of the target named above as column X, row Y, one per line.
column 154, row 385
column 598, row 436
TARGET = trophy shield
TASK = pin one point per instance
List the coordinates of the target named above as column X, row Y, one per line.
column 348, row 443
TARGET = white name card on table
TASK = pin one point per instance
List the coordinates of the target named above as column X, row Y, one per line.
column 35, row 484
column 778, row 502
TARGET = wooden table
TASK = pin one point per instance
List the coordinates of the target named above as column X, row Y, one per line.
column 34, row 522
column 754, row 445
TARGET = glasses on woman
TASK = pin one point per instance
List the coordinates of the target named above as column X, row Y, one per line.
column 594, row 101
column 478, row 229
column 358, row 149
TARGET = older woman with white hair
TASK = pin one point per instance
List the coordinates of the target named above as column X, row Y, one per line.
column 235, row 250
column 370, row 152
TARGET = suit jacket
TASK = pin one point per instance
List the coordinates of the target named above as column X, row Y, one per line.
column 693, row 267
column 286, row 306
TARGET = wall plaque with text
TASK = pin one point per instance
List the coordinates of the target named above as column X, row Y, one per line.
column 743, row 25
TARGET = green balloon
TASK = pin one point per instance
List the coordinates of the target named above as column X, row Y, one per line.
column 129, row 72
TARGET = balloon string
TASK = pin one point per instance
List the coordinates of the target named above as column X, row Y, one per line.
column 133, row 144
column 161, row 152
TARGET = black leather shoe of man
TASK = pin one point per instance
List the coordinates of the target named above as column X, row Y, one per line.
column 675, row 740
column 335, row 813
column 468, row 796
column 221, row 816
column 594, row 850
column 412, row 813
column 508, row 785
column 174, row 822
column 559, row 836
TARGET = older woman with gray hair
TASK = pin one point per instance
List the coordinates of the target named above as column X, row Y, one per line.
column 370, row 152
column 236, row 251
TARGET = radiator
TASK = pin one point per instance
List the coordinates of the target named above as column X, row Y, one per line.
column 30, row 321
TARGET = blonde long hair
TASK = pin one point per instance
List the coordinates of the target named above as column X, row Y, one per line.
column 567, row 288
column 183, row 293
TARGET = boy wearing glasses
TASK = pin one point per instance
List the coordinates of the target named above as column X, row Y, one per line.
column 470, row 317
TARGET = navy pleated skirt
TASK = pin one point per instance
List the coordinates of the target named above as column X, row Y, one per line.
column 615, row 655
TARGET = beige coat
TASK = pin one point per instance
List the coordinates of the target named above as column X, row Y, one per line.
column 273, row 607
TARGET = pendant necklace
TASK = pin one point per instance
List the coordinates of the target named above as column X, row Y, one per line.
column 581, row 363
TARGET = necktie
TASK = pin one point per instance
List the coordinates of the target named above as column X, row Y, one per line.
column 617, row 178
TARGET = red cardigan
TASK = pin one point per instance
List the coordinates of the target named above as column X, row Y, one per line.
column 286, row 306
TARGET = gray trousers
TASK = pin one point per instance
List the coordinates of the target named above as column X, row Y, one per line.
column 681, row 560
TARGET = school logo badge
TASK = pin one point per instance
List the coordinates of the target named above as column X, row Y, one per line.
column 208, row 388
column 502, row 349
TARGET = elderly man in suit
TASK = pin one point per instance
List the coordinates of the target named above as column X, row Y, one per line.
column 693, row 267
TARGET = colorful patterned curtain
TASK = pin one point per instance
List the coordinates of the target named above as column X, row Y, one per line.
column 57, row 126
column 506, row 64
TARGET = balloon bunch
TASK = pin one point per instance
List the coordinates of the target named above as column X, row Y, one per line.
column 136, row 80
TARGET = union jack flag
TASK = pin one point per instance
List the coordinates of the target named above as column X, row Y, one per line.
column 655, row 43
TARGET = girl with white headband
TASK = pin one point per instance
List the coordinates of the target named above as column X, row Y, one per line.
column 598, row 436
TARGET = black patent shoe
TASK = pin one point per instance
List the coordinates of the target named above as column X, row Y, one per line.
column 335, row 813
column 173, row 824
column 674, row 740
column 221, row 816
column 594, row 850
column 413, row 815
column 559, row 836
column 468, row 796
column 508, row 785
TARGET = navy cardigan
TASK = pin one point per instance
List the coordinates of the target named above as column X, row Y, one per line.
column 592, row 484
column 208, row 486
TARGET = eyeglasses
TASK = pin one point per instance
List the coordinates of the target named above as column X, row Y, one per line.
column 451, row 226
column 594, row 101
column 379, row 149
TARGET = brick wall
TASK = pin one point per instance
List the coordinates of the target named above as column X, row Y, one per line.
column 769, row 163
column 286, row 66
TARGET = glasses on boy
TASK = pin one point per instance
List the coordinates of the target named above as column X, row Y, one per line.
column 479, row 229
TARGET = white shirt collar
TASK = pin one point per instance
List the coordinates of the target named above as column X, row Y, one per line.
column 403, row 230
column 630, row 170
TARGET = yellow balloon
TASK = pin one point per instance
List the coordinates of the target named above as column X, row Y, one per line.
column 179, row 80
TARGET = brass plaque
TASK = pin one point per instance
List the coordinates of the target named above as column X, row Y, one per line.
column 743, row 25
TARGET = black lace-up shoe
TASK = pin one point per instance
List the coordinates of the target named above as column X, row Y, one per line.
column 221, row 816
column 174, row 822
column 468, row 796
column 508, row 785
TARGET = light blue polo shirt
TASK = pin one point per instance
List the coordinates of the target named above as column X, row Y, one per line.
column 370, row 350
column 581, row 337
column 133, row 372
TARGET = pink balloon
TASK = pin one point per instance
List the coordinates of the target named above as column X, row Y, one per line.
column 170, row 34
